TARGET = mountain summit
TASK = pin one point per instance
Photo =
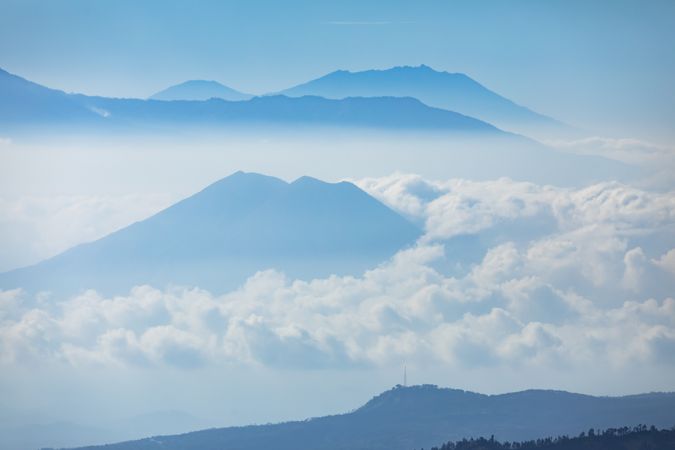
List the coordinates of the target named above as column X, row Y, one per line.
column 200, row 90
column 227, row 232
column 451, row 91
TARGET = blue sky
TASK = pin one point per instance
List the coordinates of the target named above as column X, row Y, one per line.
column 602, row 65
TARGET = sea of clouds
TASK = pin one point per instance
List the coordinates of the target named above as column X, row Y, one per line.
column 507, row 274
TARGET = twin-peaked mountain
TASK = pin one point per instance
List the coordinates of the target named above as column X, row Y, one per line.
column 235, row 227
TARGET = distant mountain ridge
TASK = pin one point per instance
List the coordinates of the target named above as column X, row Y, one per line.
column 380, row 98
column 451, row 91
column 227, row 232
column 470, row 147
column 308, row 111
column 200, row 90
column 405, row 418
column 23, row 103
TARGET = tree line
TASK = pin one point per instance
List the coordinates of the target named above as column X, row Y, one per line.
column 639, row 437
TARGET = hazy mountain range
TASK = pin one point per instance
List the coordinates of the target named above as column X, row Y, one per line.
column 470, row 147
column 24, row 103
column 235, row 227
column 423, row 416
column 384, row 100
column 450, row 91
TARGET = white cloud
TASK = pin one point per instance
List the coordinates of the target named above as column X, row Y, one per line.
column 634, row 261
column 576, row 237
column 667, row 261
column 455, row 207
column 100, row 111
column 402, row 310
column 624, row 149
column 658, row 159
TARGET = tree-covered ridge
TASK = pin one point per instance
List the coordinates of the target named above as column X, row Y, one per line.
column 405, row 418
column 637, row 438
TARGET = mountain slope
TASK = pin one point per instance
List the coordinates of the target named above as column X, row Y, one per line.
column 200, row 90
column 220, row 236
column 33, row 436
column 309, row 111
column 22, row 101
column 423, row 416
column 451, row 91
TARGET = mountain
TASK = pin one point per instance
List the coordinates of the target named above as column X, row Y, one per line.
column 25, row 104
column 451, row 91
column 22, row 102
column 200, row 90
column 235, row 227
column 309, row 111
column 31, row 436
column 406, row 418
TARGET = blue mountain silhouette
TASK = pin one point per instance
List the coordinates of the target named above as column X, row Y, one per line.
column 481, row 150
column 200, row 90
column 220, row 236
column 450, row 91
column 24, row 103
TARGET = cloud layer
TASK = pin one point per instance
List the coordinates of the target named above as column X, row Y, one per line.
column 658, row 159
column 507, row 274
column 634, row 151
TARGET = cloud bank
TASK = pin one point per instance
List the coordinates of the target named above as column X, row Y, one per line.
column 659, row 159
column 508, row 274
column 629, row 150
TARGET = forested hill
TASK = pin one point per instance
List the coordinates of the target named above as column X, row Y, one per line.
column 637, row 438
column 414, row 417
